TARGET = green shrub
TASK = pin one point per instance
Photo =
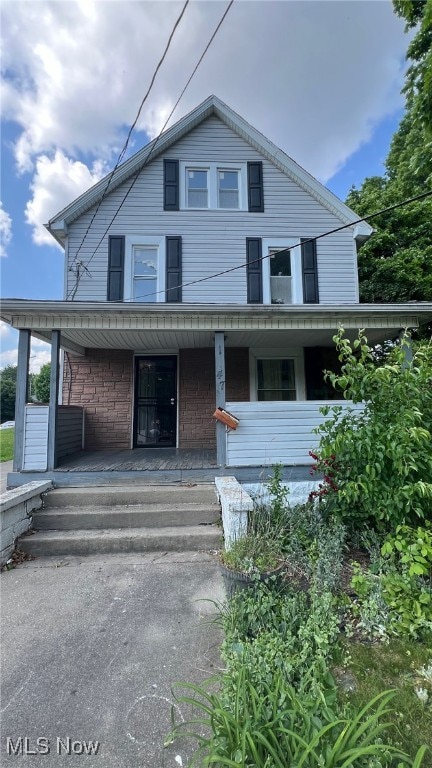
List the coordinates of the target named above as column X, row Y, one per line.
column 377, row 464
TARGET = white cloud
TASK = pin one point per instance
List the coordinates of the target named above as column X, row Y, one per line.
column 5, row 230
column 40, row 355
column 4, row 329
column 315, row 77
column 55, row 183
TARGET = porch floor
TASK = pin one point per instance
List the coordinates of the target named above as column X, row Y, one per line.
column 138, row 459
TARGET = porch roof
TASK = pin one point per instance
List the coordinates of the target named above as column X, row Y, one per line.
column 173, row 326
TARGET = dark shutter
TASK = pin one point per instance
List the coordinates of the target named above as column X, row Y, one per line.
column 309, row 271
column 254, row 270
column 173, row 269
column 116, row 248
column 171, row 185
column 255, row 188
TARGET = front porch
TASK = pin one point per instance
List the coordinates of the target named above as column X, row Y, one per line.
column 139, row 460
column 263, row 363
column 146, row 466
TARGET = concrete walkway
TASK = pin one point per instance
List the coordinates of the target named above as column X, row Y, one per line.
column 5, row 467
column 90, row 649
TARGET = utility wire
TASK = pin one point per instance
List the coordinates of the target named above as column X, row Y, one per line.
column 155, row 142
column 126, row 144
column 286, row 250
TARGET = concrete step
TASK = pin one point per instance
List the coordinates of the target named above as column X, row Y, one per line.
column 109, row 541
column 137, row 516
column 106, row 496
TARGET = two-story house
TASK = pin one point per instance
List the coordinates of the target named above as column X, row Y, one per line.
column 209, row 270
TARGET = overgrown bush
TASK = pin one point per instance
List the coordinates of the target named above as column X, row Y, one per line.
column 377, row 462
column 394, row 596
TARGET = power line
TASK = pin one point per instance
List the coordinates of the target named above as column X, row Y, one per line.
column 126, row 144
column 155, row 142
column 286, row 250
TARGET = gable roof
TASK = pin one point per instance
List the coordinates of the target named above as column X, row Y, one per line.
column 57, row 226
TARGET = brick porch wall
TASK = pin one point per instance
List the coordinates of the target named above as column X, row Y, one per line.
column 102, row 382
column 197, row 392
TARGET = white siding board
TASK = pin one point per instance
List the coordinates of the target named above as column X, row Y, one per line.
column 35, row 437
column 215, row 240
column 275, row 432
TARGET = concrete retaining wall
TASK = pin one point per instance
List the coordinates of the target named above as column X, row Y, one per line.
column 16, row 508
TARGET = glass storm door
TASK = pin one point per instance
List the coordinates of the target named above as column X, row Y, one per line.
column 155, row 402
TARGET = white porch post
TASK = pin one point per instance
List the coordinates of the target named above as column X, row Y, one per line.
column 21, row 396
column 53, row 403
column 220, row 396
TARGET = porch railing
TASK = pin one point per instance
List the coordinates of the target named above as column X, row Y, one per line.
column 275, row 432
column 69, row 438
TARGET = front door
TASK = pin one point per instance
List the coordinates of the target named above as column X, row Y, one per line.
column 155, row 402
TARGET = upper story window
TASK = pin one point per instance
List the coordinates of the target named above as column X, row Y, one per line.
column 228, row 189
column 144, row 273
column 213, row 186
column 197, row 192
column 282, row 273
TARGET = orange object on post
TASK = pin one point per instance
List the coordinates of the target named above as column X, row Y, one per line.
column 226, row 418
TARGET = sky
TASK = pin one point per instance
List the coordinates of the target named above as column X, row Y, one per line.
column 320, row 78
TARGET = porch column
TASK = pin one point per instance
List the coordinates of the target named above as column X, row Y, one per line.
column 53, row 403
column 21, row 396
column 220, row 396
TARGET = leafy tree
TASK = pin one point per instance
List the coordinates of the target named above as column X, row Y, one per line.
column 395, row 264
column 7, row 398
column 377, row 462
column 42, row 384
column 9, row 373
column 418, row 84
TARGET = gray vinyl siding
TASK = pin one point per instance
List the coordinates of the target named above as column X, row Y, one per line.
column 69, row 430
column 35, row 437
column 215, row 240
column 275, row 432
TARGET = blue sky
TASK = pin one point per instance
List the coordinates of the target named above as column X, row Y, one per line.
column 323, row 84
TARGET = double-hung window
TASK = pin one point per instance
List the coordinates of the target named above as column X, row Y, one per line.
column 213, row 186
column 281, row 268
column 197, row 188
column 144, row 269
column 276, row 379
column 228, row 188
column 276, row 374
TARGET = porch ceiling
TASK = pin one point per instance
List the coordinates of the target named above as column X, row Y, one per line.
column 169, row 327
column 171, row 341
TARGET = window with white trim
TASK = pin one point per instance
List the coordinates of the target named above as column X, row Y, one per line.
column 213, row 186
column 282, row 278
column 276, row 374
column 144, row 269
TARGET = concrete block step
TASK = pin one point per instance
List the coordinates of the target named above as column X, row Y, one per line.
column 109, row 541
column 136, row 516
column 105, row 496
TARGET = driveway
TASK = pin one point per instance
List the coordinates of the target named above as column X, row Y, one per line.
column 90, row 649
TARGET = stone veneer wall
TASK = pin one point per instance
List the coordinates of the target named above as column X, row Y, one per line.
column 197, row 392
column 102, row 382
